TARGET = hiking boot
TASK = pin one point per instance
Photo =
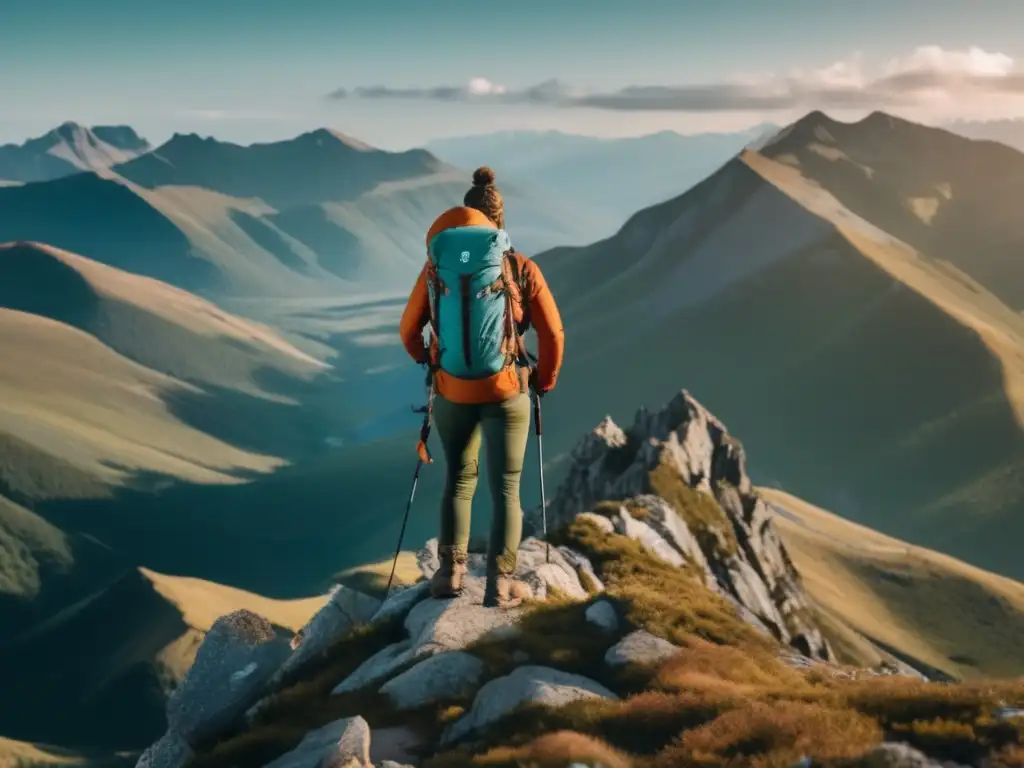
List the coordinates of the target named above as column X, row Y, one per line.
column 447, row 582
column 505, row 592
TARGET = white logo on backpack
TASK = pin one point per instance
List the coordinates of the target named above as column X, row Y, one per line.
column 464, row 258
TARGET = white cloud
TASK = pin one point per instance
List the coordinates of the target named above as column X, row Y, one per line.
column 927, row 77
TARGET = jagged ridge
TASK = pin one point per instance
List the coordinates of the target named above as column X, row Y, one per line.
column 581, row 652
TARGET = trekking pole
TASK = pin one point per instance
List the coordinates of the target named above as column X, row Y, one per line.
column 538, row 425
column 422, row 457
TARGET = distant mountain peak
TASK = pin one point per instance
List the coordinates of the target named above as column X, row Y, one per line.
column 67, row 149
column 123, row 137
column 329, row 134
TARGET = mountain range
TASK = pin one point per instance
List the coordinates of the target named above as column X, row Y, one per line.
column 69, row 149
column 318, row 215
column 613, row 178
column 201, row 373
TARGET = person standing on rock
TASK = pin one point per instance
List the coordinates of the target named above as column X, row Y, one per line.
column 479, row 296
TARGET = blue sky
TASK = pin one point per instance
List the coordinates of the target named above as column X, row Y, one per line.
column 258, row 70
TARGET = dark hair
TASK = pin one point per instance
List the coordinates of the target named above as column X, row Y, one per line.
column 485, row 197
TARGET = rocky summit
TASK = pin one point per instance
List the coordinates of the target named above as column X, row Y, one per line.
column 667, row 626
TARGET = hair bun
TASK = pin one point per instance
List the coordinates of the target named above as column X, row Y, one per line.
column 483, row 177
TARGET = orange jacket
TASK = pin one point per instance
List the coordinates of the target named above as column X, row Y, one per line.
column 544, row 317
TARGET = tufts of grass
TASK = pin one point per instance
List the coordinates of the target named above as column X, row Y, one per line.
column 701, row 666
column 665, row 600
column 699, row 511
column 557, row 750
column 776, row 735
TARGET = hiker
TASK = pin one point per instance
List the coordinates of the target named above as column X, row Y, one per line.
column 479, row 295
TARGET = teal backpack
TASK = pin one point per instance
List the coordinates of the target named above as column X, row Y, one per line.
column 473, row 283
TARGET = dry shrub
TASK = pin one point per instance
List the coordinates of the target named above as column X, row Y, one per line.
column 704, row 666
column 557, row 750
column 765, row 736
column 950, row 739
column 893, row 700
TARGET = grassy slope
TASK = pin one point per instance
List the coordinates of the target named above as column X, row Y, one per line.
column 854, row 370
column 950, row 615
column 20, row 754
column 944, row 195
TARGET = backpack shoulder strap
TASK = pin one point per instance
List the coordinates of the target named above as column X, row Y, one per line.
column 519, row 279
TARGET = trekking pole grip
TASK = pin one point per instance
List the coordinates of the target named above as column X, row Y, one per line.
column 538, row 422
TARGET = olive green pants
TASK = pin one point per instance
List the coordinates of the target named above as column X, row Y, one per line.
column 505, row 429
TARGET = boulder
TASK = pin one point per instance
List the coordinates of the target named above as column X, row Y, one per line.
column 583, row 567
column 171, row 751
column 662, row 517
column 237, row 658
column 401, row 601
column 378, row 667
column 602, row 614
column 626, row 525
column 895, row 755
column 640, row 647
column 602, row 522
column 440, row 677
column 344, row 743
column 525, row 685
column 435, row 626
column 345, row 610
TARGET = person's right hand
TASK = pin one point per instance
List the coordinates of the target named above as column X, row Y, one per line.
column 533, row 383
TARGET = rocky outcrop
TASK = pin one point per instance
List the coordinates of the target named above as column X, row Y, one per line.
column 345, row 609
column 675, row 483
column 238, row 657
column 344, row 743
column 641, row 648
column 526, row 685
column 741, row 556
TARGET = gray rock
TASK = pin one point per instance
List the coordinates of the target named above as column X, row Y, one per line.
column 600, row 521
column 401, row 602
column 684, row 437
column 525, row 685
column 640, row 647
column 647, row 537
column 583, row 566
column 171, row 751
column 894, row 755
column 436, row 626
column 602, row 614
column 342, row 744
column 378, row 667
column 533, row 568
column 664, row 519
column 398, row 745
column 237, row 658
column 444, row 676
column 392, row 764
column 345, row 610
column 752, row 592
column 1008, row 713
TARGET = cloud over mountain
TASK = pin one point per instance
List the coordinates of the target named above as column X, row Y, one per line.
column 928, row 76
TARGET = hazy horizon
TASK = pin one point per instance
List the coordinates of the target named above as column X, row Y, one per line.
column 404, row 74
